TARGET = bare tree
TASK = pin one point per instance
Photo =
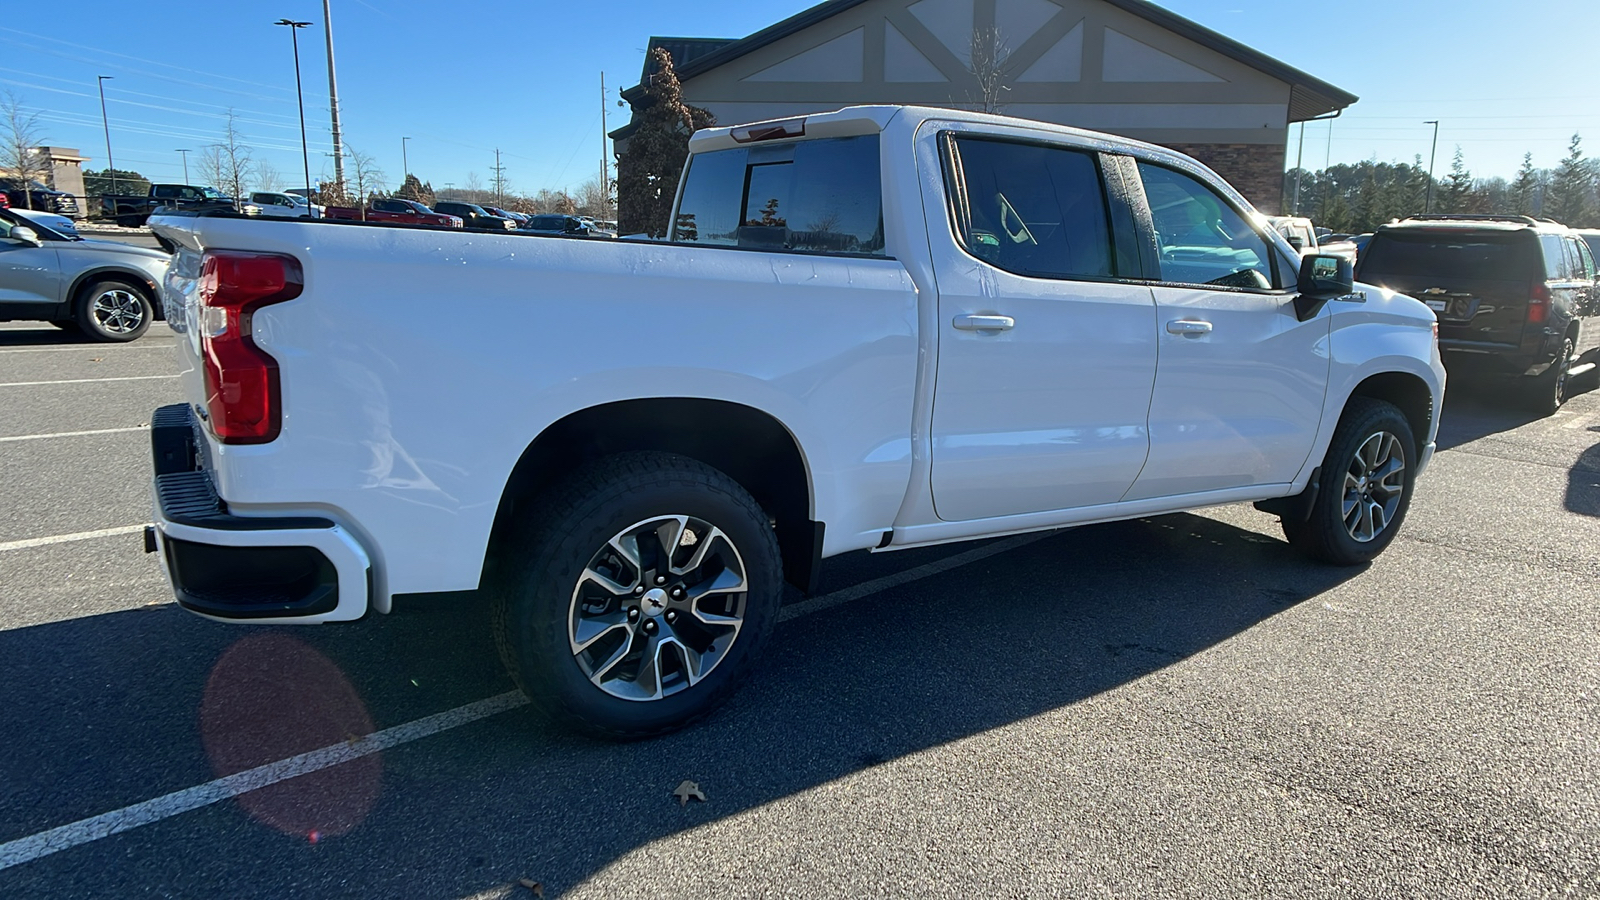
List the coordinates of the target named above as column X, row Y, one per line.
column 364, row 175
column 989, row 52
column 267, row 178
column 20, row 139
column 227, row 165
column 473, row 187
column 593, row 199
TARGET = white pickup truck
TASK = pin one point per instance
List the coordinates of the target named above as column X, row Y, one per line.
column 876, row 328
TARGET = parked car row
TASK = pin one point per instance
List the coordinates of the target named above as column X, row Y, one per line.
column 38, row 196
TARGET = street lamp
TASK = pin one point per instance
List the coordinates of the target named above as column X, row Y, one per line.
column 305, row 154
column 1427, row 208
column 185, row 154
column 111, row 167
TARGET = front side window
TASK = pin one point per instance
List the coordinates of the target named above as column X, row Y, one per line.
column 1033, row 210
column 1202, row 239
column 817, row 196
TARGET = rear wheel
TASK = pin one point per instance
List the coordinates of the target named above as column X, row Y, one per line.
column 1547, row 392
column 635, row 599
column 1366, row 483
column 113, row 311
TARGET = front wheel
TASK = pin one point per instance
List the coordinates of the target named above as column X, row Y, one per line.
column 1366, row 483
column 113, row 311
column 635, row 599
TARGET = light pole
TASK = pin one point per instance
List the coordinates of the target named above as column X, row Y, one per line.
column 104, row 120
column 185, row 165
column 305, row 154
column 333, row 98
column 405, row 167
column 1427, row 208
column 1299, row 168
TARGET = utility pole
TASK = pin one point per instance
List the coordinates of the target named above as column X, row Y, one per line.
column 499, row 180
column 1432, row 157
column 185, row 155
column 104, row 120
column 404, row 165
column 305, row 154
column 605, row 170
column 333, row 98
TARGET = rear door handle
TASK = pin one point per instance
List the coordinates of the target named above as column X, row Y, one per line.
column 1188, row 326
column 984, row 323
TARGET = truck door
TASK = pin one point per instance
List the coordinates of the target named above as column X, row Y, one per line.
column 1240, row 387
column 1047, row 340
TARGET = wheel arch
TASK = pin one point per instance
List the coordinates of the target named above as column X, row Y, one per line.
column 152, row 292
column 749, row 445
column 1405, row 390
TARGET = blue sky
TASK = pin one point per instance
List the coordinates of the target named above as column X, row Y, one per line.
column 465, row 77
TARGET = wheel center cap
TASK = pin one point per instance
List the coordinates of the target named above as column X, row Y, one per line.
column 654, row 602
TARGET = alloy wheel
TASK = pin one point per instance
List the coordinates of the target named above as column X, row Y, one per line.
column 657, row 608
column 1374, row 482
column 117, row 311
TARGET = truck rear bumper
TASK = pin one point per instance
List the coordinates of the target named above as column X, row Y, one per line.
column 263, row 570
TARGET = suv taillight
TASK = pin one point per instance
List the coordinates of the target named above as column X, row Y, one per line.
column 1539, row 302
column 243, row 399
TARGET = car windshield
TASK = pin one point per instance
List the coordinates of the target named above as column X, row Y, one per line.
column 211, row 194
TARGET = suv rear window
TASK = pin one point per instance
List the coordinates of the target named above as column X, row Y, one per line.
column 818, row 196
column 1457, row 254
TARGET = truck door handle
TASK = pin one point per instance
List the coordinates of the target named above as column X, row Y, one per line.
column 984, row 323
column 1188, row 326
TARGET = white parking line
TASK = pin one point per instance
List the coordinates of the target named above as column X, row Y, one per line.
column 84, row 380
column 129, row 817
column 142, row 345
column 62, row 434
column 67, row 538
column 84, row 831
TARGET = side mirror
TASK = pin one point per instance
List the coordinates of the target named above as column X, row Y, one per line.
column 26, row 235
column 1322, row 278
column 1298, row 243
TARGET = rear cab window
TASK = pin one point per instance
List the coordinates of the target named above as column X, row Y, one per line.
column 823, row 195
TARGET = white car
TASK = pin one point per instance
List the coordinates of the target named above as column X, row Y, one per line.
column 276, row 205
column 924, row 326
column 59, row 224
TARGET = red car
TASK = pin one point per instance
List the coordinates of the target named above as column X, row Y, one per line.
column 408, row 212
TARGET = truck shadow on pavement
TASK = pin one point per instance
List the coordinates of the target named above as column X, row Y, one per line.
column 109, row 716
column 1583, row 482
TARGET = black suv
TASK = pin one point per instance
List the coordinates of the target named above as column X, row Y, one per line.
column 473, row 215
column 1515, row 296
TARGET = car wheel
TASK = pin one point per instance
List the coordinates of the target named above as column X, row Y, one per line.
column 635, row 599
column 1366, row 483
column 1547, row 392
column 114, row 311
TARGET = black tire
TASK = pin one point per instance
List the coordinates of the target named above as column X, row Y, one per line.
column 1547, row 392
column 1325, row 534
column 535, row 580
column 113, row 311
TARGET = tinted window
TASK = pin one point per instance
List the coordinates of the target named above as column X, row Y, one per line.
column 1593, row 240
column 1587, row 256
column 1201, row 238
column 164, row 192
column 820, row 196
column 389, row 206
column 1555, row 257
column 1459, row 255
column 1032, row 210
column 546, row 223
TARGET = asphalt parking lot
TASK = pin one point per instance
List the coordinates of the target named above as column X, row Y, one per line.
column 1175, row 707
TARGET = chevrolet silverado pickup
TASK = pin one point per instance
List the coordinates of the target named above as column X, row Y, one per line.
column 871, row 329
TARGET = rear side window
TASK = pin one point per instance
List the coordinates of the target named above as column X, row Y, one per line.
column 1034, row 210
column 1587, row 256
column 818, row 196
column 1555, row 258
column 1457, row 255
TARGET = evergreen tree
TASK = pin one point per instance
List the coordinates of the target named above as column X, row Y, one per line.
column 128, row 182
column 1572, row 188
column 648, row 170
column 1525, row 189
column 413, row 189
column 1456, row 195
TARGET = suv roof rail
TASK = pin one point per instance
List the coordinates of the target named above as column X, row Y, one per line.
column 1462, row 217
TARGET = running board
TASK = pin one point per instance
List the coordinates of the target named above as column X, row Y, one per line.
column 1584, row 369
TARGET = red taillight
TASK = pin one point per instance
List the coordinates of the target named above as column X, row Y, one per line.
column 242, row 395
column 1539, row 303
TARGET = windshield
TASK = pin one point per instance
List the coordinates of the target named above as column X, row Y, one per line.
column 211, row 194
